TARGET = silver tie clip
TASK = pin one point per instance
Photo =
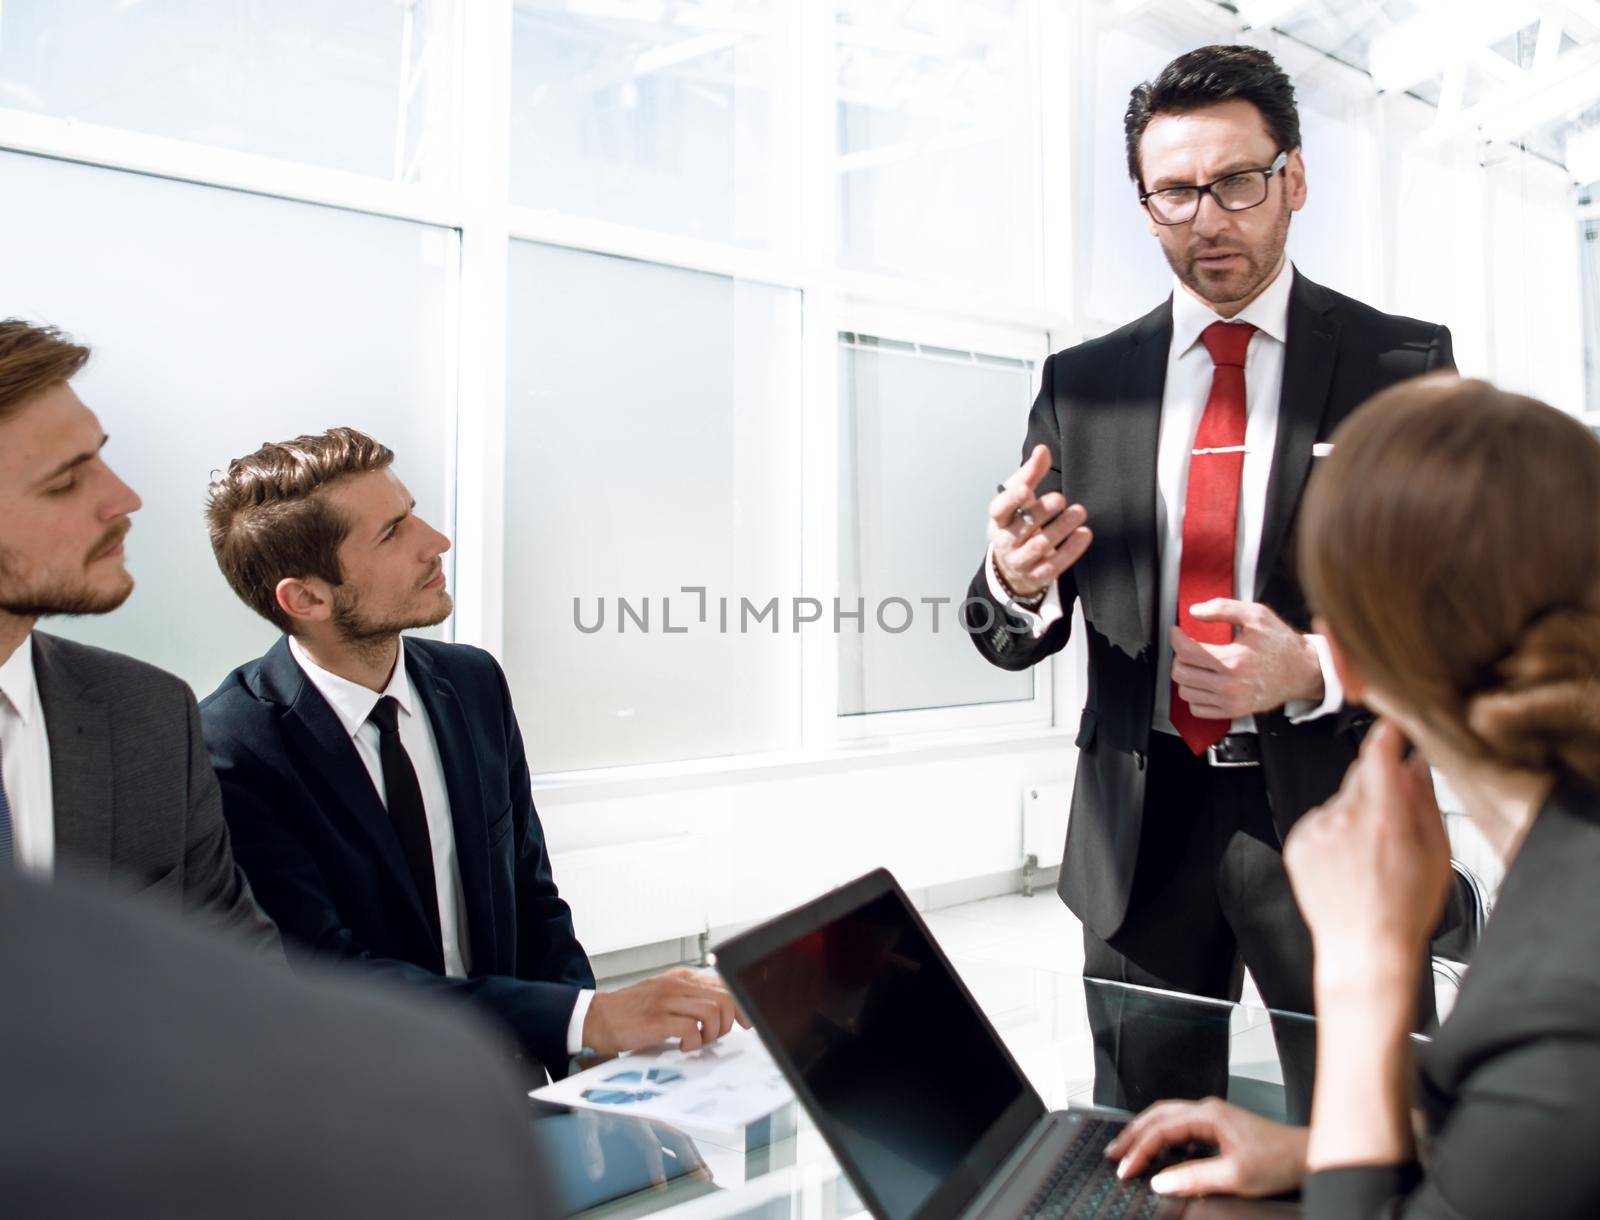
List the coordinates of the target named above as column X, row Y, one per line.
column 1218, row 449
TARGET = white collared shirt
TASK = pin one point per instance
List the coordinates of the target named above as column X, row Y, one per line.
column 352, row 703
column 1183, row 402
column 25, row 759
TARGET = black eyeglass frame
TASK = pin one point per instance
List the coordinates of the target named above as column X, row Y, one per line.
column 1203, row 189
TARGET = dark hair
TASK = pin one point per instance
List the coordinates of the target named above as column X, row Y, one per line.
column 1451, row 542
column 1205, row 77
column 32, row 359
column 267, row 521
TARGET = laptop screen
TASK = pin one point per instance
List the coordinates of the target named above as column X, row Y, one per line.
column 898, row 1068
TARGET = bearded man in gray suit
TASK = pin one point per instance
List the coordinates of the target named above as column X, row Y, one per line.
column 103, row 770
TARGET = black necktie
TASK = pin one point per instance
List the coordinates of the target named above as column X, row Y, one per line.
column 406, row 813
column 5, row 819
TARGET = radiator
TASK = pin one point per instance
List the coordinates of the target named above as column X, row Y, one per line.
column 637, row 893
column 1044, row 823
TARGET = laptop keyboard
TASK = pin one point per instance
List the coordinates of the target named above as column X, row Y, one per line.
column 1084, row 1184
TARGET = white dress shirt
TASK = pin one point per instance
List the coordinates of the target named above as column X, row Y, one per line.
column 1183, row 402
column 352, row 703
column 25, row 753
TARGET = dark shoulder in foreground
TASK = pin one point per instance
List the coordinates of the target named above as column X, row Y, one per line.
column 292, row 1091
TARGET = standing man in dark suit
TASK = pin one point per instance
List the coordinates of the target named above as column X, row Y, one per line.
column 103, row 772
column 376, row 785
column 1161, row 478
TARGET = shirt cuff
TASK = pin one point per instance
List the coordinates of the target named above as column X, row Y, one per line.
column 1039, row 621
column 1300, row 711
column 580, row 1012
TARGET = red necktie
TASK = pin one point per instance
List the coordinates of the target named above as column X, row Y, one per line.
column 1211, row 511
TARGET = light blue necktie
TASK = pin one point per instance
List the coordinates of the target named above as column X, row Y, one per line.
column 5, row 819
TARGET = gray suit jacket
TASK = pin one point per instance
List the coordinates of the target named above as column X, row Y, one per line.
column 1509, row 1090
column 152, row 1069
column 136, row 803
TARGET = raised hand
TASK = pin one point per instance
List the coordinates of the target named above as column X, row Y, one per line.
column 1032, row 555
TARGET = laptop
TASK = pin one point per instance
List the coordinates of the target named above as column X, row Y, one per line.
column 919, row 1100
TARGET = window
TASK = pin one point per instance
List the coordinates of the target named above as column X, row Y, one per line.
column 206, row 345
column 938, row 142
column 651, row 423
column 360, row 85
column 583, row 264
column 926, row 433
column 662, row 116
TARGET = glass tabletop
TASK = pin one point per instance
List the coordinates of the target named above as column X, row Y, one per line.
column 1079, row 1042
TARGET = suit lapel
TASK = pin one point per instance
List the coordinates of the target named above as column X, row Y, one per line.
column 313, row 729
column 1141, row 380
column 79, row 729
column 1307, row 375
column 467, row 813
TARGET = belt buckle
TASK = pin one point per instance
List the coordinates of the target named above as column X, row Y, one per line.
column 1227, row 764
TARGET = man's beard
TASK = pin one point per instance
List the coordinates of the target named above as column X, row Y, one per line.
column 61, row 597
column 1261, row 263
column 374, row 633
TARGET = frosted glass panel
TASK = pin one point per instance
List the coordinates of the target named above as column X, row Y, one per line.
column 651, row 415
column 924, row 438
column 220, row 320
column 657, row 115
column 357, row 85
column 938, row 146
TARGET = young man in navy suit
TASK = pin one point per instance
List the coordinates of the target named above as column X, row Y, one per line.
column 375, row 785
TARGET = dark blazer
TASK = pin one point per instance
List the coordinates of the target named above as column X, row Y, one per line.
column 136, row 805
column 1510, row 1088
column 317, row 843
column 154, row 1069
column 1099, row 411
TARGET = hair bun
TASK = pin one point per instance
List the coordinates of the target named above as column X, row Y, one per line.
column 1541, row 710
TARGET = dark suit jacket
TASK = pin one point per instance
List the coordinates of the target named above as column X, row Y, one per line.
column 136, row 804
column 1510, row 1088
column 1099, row 411
column 317, row 843
column 154, row 1069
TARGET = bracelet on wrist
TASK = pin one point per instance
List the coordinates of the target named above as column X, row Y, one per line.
column 1031, row 602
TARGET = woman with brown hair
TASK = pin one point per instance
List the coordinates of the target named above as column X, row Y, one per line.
column 1451, row 547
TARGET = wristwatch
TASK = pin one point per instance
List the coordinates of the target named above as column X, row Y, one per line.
column 1013, row 602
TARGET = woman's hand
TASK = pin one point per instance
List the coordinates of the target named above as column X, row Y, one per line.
column 1255, row 1157
column 1371, row 867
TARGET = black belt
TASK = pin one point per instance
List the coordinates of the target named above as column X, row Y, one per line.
column 1236, row 750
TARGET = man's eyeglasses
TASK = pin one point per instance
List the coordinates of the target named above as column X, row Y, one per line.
column 1236, row 192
